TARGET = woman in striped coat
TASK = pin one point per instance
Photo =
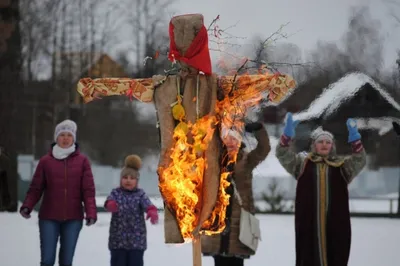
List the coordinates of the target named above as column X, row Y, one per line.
column 322, row 216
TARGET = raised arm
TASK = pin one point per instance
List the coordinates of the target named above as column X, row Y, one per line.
column 263, row 147
column 289, row 160
column 354, row 163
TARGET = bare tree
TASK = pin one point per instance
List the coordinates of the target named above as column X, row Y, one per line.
column 394, row 9
column 147, row 32
column 364, row 41
column 11, row 88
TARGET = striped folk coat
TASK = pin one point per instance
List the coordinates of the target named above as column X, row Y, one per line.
column 322, row 216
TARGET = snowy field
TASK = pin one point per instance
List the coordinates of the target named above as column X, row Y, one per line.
column 387, row 204
column 375, row 242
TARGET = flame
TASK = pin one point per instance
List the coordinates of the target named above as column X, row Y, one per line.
column 181, row 182
column 242, row 94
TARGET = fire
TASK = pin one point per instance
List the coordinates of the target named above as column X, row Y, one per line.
column 181, row 181
column 242, row 94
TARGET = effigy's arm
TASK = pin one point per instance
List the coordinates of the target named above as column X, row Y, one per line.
column 243, row 92
column 252, row 87
column 140, row 89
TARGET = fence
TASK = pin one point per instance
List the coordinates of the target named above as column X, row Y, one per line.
column 359, row 206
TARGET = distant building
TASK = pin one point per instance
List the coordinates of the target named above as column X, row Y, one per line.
column 70, row 67
column 355, row 95
column 358, row 96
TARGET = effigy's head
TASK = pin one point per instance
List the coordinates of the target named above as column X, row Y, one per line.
column 189, row 43
column 186, row 27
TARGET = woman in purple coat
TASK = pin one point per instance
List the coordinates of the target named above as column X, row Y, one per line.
column 128, row 203
column 64, row 178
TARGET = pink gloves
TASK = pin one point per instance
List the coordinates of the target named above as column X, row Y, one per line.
column 111, row 206
column 152, row 214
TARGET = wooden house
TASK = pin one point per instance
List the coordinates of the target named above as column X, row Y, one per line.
column 355, row 95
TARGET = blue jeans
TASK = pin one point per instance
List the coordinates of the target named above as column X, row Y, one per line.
column 123, row 257
column 50, row 231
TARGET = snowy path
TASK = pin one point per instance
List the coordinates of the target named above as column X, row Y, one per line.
column 375, row 243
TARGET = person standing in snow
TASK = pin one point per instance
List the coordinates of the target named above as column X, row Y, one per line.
column 322, row 216
column 64, row 178
column 128, row 235
column 226, row 248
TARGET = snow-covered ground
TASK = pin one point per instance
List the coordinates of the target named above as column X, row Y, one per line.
column 379, row 205
column 375, row 242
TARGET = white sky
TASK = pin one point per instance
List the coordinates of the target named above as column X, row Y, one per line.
column 310, row 20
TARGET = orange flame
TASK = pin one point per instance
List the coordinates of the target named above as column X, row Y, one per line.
column 181, row 181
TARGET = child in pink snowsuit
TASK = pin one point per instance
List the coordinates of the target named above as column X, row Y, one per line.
column 128, row 237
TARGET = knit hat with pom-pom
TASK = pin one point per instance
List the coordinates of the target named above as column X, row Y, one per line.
column 133, row 163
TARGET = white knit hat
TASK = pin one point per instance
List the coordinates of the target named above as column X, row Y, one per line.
column 68, row 126
column 320, row 134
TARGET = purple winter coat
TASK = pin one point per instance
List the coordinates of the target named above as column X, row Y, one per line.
column 128, row 226
column 65, row 185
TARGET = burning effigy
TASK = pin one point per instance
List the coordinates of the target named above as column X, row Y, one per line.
column 196, row 111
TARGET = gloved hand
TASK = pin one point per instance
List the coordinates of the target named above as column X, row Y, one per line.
column 353, row 130
column 90, row 221
column 25, row 212
column 396, row 128
column 152, row 214
column 251, row 127
column 290, row 126
column 111, row 206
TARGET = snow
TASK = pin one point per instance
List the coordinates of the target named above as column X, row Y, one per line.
column 374, row 243
column 383, row 124
column 339, row 92
column 271, row 167
column 381, row 205
column 389, row 196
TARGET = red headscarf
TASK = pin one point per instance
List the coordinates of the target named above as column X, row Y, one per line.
column 198, row 54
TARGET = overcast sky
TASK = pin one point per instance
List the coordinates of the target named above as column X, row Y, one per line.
column 310, row 20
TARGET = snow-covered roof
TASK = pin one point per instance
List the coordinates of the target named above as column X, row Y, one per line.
column 382, row 124
column 338, row 93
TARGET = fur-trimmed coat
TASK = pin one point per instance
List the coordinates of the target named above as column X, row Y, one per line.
column 322, row 215
column 229, row 244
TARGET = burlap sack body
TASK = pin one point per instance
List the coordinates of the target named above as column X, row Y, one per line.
column 185, row 30
column 164, row 96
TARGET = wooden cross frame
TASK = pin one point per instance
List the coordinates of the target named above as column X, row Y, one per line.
column 197, row 114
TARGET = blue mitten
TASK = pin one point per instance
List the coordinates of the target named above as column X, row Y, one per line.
column 290, row 126
column 353, row 130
